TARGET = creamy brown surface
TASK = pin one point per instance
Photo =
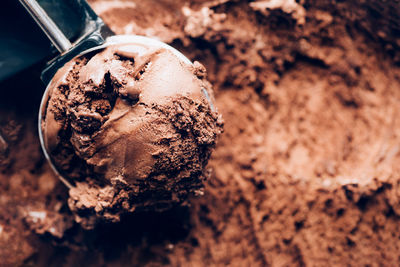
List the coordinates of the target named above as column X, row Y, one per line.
column 306, row 172
column 130, row 126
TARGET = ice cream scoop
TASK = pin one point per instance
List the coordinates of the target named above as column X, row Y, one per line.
column 98, row 36
column 127, row 122
column 165, row 83
column 130, row 126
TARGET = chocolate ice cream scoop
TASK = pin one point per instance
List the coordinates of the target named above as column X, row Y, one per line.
column 127, row 124
column 131, row 127
column 140, row 51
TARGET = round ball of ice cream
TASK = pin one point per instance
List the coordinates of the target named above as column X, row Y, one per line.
column 131, row 127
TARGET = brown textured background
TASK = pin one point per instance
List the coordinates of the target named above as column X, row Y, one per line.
column 306, row 174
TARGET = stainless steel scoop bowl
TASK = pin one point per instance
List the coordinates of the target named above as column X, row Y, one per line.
column 96, row 36
column 116, row 39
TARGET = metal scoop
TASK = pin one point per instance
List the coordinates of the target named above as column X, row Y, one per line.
column 96, row 36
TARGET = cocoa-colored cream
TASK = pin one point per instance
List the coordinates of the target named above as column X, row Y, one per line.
column 133, row 119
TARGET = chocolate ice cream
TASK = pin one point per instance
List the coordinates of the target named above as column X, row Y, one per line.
column 305, row 174
column 131, row 127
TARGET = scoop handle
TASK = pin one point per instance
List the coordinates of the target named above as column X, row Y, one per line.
column 56, row 36
column 71, row 25
column 66, row 22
